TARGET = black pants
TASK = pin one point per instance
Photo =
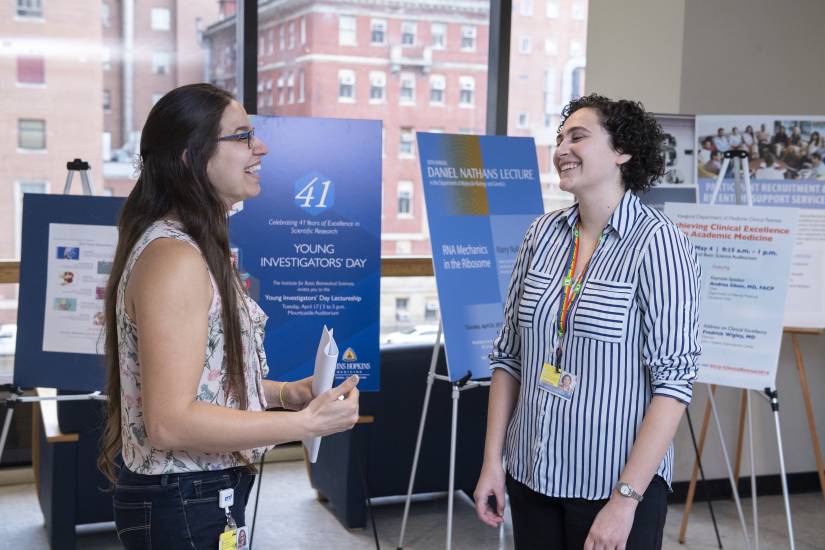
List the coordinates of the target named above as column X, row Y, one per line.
column 546, row 523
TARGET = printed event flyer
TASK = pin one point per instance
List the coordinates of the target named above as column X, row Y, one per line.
column 745, row 254
column 482, row 193
column 309, row 246
column 786, row 170
column 78, row 267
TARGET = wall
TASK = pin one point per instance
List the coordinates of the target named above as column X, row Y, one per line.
column 733, row 57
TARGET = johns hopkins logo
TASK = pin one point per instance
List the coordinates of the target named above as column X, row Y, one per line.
column 314, row 193
column 349, row 355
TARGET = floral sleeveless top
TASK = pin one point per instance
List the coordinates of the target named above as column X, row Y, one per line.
column 138, row 455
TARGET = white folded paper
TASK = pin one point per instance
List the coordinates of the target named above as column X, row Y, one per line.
column 325, row 361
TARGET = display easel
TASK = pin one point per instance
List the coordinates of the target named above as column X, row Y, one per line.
column 463, row 384
column 14, row 392
column 739, row 159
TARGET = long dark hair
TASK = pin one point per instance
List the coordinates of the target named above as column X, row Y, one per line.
column 177, row 141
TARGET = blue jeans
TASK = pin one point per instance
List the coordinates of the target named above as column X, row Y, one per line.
column 173, row 511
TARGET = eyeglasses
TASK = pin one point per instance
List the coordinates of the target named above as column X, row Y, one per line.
column 248, row 137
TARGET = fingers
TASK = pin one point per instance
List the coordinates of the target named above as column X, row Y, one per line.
column 345, row 387
column 500, row 502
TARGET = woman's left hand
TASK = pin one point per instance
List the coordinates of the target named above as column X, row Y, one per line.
column 298, row 394
column 612, row 525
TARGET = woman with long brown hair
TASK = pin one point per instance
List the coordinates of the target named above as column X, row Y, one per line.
column 184, row 343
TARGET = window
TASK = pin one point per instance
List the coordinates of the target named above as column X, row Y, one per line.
column 405, row 148
column 107, row 100
column 270, row 42
column 403, row 247
column 291, row 43
column 436, row 130
column 408, row 32
column 378, row 83
column 31, row 134
column 401, row 309
column 439, row 34
column 301, row 86
column 290, row 87
column 346, row 30
column 281, row 37
column 281, row 91
column 522, row 121
column 552, row 9
column 30, row 8
column 550, row 47
column 525, row 44
column 405, row 194
column 160, row 62
column 549, row 91
column 24, row 187
column 576, row 49
column 303, row 30
column 106, row 59
column 31, row 69
column 407, row 88
column 468, row 38
column 378, row 32
column 105, row 14
column 431, row 309
column 346, row 85
column 437, row 86
column 161, row 19
column 577, row 83
column 526, row 8
column 467, row 85
column 578, row 10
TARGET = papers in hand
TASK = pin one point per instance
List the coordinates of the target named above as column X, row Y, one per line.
column 325, row 360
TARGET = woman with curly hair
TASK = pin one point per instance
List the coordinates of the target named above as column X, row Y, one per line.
column 606, row 293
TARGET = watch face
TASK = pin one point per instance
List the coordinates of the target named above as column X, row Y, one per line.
column 624, row 490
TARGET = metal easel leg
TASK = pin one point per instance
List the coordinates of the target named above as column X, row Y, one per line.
column 730, row 471
column 753, row 472
column 430, row 378
column 451, row 488
column 773, row 396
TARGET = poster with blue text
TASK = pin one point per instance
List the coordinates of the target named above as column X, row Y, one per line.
column 482, row 193
column 309, row 246
column 786, row 169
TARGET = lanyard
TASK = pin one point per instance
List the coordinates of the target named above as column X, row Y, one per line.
column 570, row 291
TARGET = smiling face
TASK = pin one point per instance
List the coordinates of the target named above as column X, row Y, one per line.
column 234, row 168
column 584, row 157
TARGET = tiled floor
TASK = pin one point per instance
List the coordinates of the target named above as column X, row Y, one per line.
column 289, row 518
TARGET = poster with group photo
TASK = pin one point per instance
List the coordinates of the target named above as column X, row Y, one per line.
column 745, row 255
column 78, row 267
column 482, row 193
column 786, row 170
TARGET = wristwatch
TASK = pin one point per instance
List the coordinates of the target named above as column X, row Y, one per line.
column 626, row 490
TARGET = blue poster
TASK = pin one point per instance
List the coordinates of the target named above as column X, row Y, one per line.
column 309, row 246
column 482, row 193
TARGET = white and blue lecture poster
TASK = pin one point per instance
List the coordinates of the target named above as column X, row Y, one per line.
column 309, row 246
column 745, row 254
column 482, row 193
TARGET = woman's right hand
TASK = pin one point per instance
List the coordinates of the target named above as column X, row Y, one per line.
column 329, row 413
column 490, row 483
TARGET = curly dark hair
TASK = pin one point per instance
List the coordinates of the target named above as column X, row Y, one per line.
column 633, row 131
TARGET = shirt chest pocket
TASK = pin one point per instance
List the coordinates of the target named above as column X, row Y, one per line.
column 534, row 287
column 602, row 310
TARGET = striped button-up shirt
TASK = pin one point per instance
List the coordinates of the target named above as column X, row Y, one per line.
column 632, row 334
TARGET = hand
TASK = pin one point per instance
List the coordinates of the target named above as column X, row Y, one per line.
column 490, row 483
column 298, row 394
column 612, row 525
column 328, row 414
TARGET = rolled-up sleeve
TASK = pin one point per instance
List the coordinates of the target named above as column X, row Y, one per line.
column 506, row 353
column 669, row 285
